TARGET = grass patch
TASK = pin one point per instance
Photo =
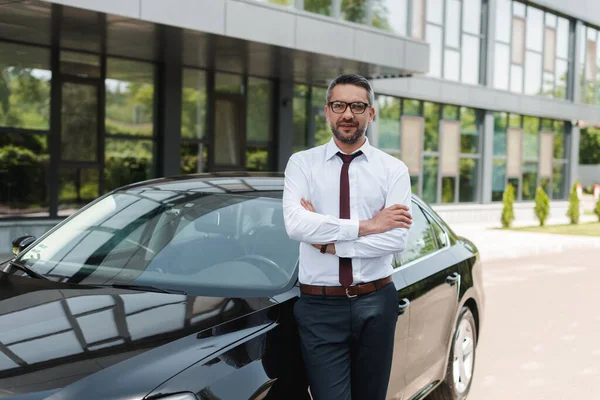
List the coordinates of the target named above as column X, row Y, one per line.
column 586, row 229
column 588, row 212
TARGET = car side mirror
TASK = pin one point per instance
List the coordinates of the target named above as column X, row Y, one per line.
column 21, row 243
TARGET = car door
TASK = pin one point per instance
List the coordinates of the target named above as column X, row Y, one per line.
column 432, row 288
column 397, row 381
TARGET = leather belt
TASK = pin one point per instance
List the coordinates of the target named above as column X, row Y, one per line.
column 349, row 292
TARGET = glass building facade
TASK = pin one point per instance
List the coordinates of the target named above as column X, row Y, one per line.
column 83, row 110
column 532, row 50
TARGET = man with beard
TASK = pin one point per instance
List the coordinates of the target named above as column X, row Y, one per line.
column 348, row 204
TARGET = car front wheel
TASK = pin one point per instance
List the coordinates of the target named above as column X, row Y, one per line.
column 461, row 365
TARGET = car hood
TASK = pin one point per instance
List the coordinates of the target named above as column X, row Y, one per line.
column 63, row 341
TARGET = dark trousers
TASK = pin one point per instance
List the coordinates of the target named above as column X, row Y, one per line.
column 347, row 344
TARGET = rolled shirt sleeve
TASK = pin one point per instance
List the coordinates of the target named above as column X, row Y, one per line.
column 390, row 242
column 306, row 226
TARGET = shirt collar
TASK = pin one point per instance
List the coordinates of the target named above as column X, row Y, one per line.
column 332, row 149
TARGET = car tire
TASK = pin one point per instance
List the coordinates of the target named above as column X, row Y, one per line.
column 461, row 362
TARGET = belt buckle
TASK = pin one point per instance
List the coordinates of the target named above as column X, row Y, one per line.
column 348, row 295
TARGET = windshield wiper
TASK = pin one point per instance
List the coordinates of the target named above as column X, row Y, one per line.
column 143, row 288
column 28, row 271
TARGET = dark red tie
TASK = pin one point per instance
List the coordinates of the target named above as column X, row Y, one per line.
column 345, row 263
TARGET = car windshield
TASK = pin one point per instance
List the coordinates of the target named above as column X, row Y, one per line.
column 188, row 241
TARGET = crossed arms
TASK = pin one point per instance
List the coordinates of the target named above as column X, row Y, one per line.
column 384, row 234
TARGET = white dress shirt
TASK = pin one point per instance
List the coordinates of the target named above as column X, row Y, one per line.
column 377, row 180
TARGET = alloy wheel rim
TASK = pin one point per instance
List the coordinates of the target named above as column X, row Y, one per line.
column 464, row 356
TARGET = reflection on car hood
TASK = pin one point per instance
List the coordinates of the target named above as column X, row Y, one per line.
column 54, row 334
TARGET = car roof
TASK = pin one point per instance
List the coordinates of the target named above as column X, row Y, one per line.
column 255, row 184
column 269, row 184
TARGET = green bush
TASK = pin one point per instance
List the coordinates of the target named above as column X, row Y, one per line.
column 22, row 176
column 121, row 171
column 257, row 160
column 189, row 164
column 542, row 206
column 589, row 146
column 508, row 198
column 597, row 209
column 573, row 211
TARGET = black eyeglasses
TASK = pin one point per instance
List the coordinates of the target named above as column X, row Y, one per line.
column 339, row 107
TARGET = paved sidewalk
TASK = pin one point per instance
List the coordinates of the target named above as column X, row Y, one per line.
column 540, row 335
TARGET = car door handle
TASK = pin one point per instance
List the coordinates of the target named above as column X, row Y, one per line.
column 453, row 278
column 404, row 303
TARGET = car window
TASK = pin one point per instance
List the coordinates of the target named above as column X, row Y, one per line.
column 421, row 239
column 440, row 234
column 201, row 239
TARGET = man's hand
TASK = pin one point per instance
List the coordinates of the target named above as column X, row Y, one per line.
column 307, row 205
column 395, row 216
column 330, row 248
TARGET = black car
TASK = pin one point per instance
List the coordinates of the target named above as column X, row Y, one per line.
column 182, row 288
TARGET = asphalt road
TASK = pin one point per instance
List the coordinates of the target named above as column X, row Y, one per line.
column 541, row 338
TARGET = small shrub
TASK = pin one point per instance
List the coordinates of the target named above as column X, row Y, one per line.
column 22, row 176
column 542, row 205
column 573, row 211
column 508, row 214
column 597, row 209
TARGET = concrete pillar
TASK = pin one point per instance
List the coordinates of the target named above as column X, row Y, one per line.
column 168, row 96
column 573, row 88
column 573, row 165
column 487, row 157
column 373, row 129
column 490, row 39
column 284, row 127
column 55, row 111
column 487, row 131
column 574, row 94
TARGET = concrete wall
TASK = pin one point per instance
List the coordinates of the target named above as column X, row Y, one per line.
column 589, row 174
column 278, row 26
column 585, row 10
column 443, row 91
column 490, row 214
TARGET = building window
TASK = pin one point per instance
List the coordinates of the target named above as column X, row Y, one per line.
column 389, row 111
column 79, row 122
column 391, row 16
column 589, row 62
column 310, row 124
column 322, row 131
column 316, row 6
column 24, row 130
column 229, row 114
column 288, row 3
column 438, row 143
column 412, row 147
column 418, row 19
column 194, row 140
column 538, row 45
column 354, row 11
column 453, row 30
column 259, row 126
column 460, row 154
column 431, row 144
column 300, row 109
column 25, row 84
column 129, row 122
column 528, row 152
